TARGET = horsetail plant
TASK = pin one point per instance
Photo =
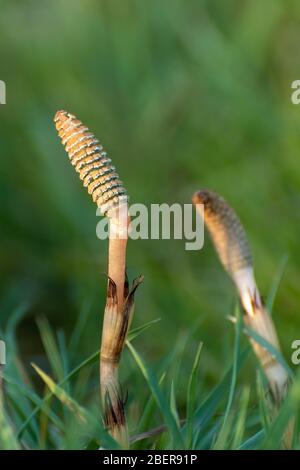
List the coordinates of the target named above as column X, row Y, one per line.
column 231, row 244
column 100, row 177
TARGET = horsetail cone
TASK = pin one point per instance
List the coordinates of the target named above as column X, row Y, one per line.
column 91, row 161
column 231, row 244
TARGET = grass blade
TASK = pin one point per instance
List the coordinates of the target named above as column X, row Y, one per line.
column 173, row 405
column 254, row 441
column 239, row 427
column 191, row 395
column 8, row 440
column 49, row 343
column 270, row 348
column 224, row 427
column 159, row 398
column 80, row 413
column 276, row 282
column 140, row 329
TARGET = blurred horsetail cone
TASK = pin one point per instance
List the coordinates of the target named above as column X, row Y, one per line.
column 231, row 244
column 226, row 231
column 91, row 162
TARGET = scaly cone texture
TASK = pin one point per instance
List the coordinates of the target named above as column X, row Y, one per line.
column 103, row 183
column 231, row 244
column 90, row 161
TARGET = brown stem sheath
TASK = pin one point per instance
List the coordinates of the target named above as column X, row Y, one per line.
column 116, row 266
column 115, row 326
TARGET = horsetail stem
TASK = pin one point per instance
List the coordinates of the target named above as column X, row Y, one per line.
column 103, row 183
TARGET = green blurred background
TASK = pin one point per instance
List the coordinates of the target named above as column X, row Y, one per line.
column 183, row 94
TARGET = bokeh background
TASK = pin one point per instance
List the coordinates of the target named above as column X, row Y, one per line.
column 182, row 95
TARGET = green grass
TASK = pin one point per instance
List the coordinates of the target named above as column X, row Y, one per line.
column 232, row 415
column 183, row 95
